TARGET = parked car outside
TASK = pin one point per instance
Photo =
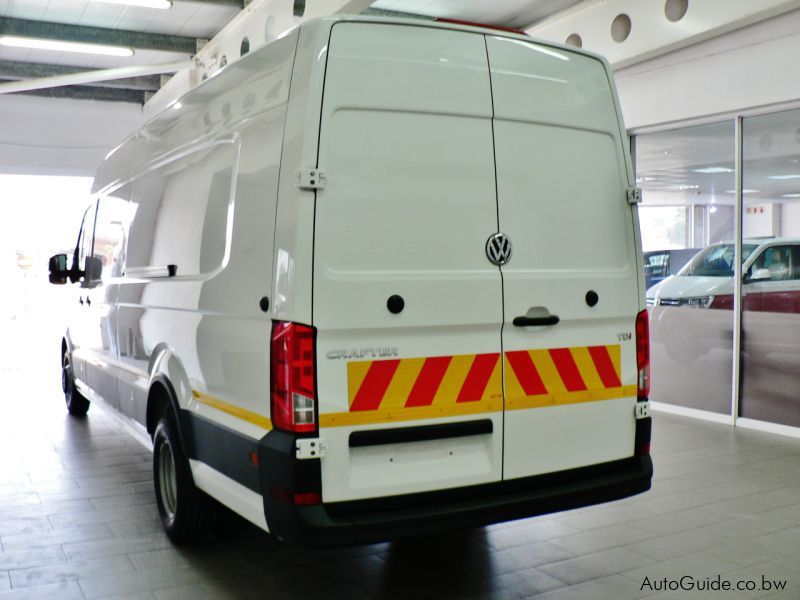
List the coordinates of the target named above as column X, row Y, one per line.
column 771, row 274
column 770, row 295
column 660, row 264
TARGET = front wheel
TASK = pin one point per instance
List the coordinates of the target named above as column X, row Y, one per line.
column 77, row 404
column 181, row 505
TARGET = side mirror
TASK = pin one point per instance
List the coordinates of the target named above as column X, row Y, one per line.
column 58, row 269
column 759, row 275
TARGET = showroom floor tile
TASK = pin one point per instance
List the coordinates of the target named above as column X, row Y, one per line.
column 78, row 520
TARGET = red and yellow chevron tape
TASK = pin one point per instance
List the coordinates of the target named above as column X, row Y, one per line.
column 424, row 388
column 537, row 378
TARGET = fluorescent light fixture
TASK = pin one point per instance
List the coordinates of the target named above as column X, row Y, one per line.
column 160, row 4
column 743, row 191
column 790, row 196
column 783, row 177
column 713, row 170
column 62, row 46
column 683, row 188
column 712, row 210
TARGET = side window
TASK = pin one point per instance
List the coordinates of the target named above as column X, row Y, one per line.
column 783, row 262
column 86, row 236
column 778, row 260
column 182, row 210
column 113, row 219
column 794, row 272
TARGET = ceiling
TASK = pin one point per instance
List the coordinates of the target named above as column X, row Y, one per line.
column 164, row 36
column 509, row 13
column 157, row 36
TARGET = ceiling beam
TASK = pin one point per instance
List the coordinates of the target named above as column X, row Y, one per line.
column 98, row 35
column 85, row 92
column 16, row 71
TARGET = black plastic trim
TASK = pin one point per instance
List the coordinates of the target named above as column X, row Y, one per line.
column 394, row 517
column 222, row 449
column 399, row 435
column 644, row 428
column 283, row 475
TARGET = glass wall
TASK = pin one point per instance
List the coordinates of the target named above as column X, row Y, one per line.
column 688, row 226
column 770, row 377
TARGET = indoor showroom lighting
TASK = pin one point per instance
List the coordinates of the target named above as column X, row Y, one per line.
column 62, row 46
column 713, row 170
column 782, row 177
column 160, row 4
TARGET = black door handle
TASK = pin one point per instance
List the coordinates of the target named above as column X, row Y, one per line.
column 80, row 299
column 88, row 301
column 533, row 321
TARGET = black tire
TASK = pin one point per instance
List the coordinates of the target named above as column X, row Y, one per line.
column 183, row 508
column 77, row 403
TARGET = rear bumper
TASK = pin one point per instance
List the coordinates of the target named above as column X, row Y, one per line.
column 367, row 521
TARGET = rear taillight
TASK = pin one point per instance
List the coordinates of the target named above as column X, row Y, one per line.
column 643, row 355
column 294, row 397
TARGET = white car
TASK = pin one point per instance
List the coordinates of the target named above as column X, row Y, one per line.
column 771, row 278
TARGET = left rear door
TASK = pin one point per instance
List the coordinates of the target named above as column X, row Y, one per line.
column 406, row 147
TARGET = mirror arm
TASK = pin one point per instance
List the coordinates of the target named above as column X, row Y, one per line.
column 75, row 274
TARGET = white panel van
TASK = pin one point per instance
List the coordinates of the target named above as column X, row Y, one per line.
column 377, row 278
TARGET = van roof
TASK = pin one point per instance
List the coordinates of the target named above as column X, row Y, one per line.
column 116, row 167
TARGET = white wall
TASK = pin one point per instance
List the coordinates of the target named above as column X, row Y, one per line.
column 752, row 67
column 56, row 136
column 790, row 227
column 761, row 220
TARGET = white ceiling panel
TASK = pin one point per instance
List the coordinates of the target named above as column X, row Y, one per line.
column 509, row 13
column 28, row 9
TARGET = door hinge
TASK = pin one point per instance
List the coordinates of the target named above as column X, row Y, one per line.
column 634, row 195
column 310, row 179
column 306, row 448
column 642, row 410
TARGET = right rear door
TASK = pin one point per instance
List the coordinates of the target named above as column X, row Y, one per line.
column 569, row 387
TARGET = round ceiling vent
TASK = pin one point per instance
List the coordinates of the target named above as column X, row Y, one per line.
column 621, row 28
column 574, row 40
column 675, row 10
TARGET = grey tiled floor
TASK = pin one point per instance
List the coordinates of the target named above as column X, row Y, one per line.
column 77, row 520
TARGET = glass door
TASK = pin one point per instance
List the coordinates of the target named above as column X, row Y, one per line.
column 688, row 228
column 770, row 372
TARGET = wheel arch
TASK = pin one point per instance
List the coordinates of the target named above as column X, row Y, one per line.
column 168, row 388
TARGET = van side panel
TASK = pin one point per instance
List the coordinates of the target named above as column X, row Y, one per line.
column 294, row 219
column 406, row 146
column 207, row 204
column 570, row 388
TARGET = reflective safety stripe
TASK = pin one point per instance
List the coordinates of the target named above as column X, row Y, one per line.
column 418, row 382
column 538, row 378
column 236, row 411
column 406, row 389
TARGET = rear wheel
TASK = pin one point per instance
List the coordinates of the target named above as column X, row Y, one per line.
column 181, row 505
column 77, row 404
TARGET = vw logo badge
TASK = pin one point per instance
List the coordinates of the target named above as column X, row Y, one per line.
column 498, row 249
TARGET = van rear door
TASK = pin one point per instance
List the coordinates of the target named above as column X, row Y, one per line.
column 561, row 185
column 408, row 310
